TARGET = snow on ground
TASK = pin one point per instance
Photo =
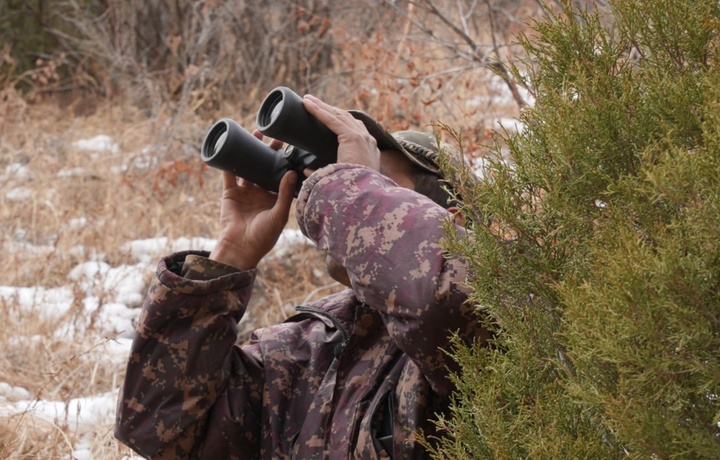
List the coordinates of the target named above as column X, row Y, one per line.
column 111, row 296
column 123, row 290
column 118, row 290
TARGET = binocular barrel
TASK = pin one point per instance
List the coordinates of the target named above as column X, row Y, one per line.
column 282, row 115
column 229, row 147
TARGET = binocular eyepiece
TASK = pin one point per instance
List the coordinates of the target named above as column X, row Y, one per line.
column 310, row 144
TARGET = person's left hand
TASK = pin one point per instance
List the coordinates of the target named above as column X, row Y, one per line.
column 251, row 218
column 355, row 144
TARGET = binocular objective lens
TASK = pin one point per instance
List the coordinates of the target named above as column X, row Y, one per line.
column 276, row 111
column 219, row 142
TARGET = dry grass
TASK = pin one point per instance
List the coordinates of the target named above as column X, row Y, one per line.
column 61, row 205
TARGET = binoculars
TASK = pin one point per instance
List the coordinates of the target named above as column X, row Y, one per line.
column 310, row 144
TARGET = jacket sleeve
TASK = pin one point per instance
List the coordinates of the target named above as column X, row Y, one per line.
column 183, row 370
column 389, row 240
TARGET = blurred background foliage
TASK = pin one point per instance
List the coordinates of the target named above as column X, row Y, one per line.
column 202, row 55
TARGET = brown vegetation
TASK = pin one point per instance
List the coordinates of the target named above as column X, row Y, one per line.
column 409, row 65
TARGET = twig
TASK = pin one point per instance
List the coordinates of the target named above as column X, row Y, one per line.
column 477, row 55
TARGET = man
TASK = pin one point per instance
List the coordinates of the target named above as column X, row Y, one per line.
column 358, row 374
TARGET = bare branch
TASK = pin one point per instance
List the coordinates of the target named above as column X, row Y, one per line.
column 499, row 67
column 478, row 56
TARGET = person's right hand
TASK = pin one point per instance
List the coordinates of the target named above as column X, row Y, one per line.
column 355, row 144
column 251, row 218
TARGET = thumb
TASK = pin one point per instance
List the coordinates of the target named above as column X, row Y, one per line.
column 286, row 193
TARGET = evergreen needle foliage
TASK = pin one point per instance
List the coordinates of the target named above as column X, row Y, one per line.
column 597, row 260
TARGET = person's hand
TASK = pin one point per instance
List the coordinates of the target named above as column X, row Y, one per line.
column 251, row 218
column 355, row 144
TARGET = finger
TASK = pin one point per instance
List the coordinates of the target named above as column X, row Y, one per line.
column 323, row 108
column 320, row 103
column 276, row 144
column 333, row 111
column 286, row 193
column 229, row 180
column 336, row 119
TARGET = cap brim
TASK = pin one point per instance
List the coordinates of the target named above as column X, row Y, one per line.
column 386, row 141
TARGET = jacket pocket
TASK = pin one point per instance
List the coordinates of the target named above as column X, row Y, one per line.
column 375, row 431
column 294, row 446
column 383, row 426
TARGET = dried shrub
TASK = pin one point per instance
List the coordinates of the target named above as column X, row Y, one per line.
column 153, row 75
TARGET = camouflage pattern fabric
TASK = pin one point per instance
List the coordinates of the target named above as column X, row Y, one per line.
column 317, row 385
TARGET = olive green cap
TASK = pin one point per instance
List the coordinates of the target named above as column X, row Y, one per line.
column 422, row 148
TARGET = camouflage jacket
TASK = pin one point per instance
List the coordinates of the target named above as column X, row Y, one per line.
column 332, row 380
